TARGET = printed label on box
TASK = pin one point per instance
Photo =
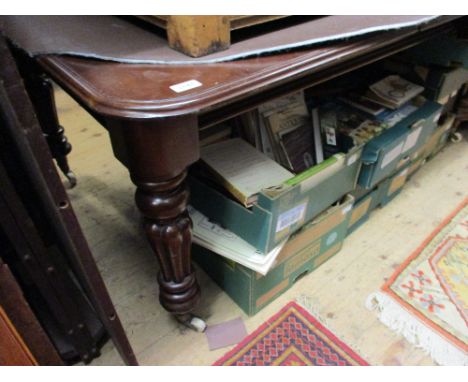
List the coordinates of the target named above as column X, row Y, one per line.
column 412, row 139
column 392, row 155
column 184, row 86
column 290, row 217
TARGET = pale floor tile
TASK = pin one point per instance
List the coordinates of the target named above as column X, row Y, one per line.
column 336, row 292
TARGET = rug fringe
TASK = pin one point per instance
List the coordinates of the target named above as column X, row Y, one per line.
column 401, row 321
column 312, row 306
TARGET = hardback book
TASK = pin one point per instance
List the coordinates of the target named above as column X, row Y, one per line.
column 298, row 146
column 359, row 102
column 291, row 133
column 241, row 169
column 250, row 129
column 393, row 91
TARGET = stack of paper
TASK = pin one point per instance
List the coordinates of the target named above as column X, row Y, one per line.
column 225, row 243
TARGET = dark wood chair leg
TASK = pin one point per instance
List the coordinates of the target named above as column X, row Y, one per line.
column 157, row 155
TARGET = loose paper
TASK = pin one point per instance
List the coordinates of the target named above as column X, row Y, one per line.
column 226, row 333
column 227, row 244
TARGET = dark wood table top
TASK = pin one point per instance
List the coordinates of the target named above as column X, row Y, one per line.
column 143, row 91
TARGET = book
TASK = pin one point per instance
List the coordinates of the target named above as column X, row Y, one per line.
column 317, row 136
column 290, row 131
column 297, row 144
column 210, row 235
column 241, row 169
column 250, row 130
column 392, row 117
column 345, row 127
column 359, row 102
column 392, row 91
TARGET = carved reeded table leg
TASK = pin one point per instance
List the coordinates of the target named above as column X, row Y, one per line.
column 157, row 155
column 168, row 227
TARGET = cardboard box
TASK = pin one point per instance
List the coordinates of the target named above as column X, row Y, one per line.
column 383, row 154
column 437, row 139
column 443, row 84
column 415, row 166
column 279, row 213
column 362, row 208
column 307, row 249
column 434, row 144
column 393, row 185
column 367, row 201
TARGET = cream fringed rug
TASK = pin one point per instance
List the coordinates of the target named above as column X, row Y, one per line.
column 426, row 299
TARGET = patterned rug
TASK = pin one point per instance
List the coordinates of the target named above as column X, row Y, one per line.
column 292, row 337
column 426, row 299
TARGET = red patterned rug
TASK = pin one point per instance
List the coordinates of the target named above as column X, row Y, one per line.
column 292, row 337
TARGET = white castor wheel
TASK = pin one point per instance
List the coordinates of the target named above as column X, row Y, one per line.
column 456, row 137
column 197, row 324
column 192, row 322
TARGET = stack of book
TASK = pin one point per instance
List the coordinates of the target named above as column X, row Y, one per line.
column 268, row 148
column 358, row 116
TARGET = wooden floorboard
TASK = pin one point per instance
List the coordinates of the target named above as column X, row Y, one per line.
column 103, row 201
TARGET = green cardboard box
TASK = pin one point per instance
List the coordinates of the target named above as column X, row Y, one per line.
column 383, row 154
column 434, row 144
column 379, row 196
column 393, row 185
column 307, row 249
column 437, row 139
column 279, row 213
column 362, row 208
column 415, row 165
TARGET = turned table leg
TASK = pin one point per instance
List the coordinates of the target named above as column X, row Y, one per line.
column 41, row 92
column 168, row 227
column 157, row 154
column 42, row 95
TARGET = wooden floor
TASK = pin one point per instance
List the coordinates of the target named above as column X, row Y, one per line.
column 336, row 292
